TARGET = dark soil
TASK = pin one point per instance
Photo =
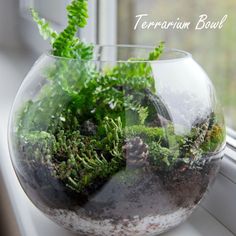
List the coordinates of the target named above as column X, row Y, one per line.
column 128, row 194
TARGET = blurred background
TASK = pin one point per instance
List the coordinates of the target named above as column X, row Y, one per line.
column 213, row 49
column 112, row 22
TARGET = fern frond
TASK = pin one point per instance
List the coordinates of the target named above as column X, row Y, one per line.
column 75, row 19
column 44, row 28
column 157, row 52
column 66, row 44
column 133, row 72
column 83, row 51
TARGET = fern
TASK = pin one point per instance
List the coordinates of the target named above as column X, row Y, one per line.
column 44, row 28
column 66, row 44
column 138, row 75
column 74, row 19
column 157, row 52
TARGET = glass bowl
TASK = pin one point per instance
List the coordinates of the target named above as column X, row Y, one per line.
column 117, row 147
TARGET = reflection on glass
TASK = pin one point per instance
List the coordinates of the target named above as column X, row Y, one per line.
column 214, row 49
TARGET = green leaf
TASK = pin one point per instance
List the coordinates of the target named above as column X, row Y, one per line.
column 66, row 44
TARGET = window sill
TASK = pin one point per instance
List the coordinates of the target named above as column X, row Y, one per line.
column 220, row 200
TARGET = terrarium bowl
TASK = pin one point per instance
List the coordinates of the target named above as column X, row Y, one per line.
column 116, row 147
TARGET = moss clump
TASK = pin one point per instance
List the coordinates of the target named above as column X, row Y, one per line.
column 148, row 134
column 213, row 139
column 161, row 157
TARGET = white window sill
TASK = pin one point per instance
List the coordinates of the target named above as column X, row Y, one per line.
column 30, row 221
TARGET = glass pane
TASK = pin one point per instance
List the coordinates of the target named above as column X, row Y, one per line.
column 213, row 49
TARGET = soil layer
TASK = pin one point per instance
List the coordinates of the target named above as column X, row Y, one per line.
column 129, row 195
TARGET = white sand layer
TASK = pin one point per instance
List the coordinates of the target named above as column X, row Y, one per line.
column 147, row 226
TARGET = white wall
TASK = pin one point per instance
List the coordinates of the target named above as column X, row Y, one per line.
column 9, row 24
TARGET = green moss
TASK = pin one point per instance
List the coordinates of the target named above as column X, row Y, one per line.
column 77, row 160
column 161, row 157
column 148, row 134
column 214, row 139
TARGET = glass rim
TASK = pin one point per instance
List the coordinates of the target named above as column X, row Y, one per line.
column 184, row 54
